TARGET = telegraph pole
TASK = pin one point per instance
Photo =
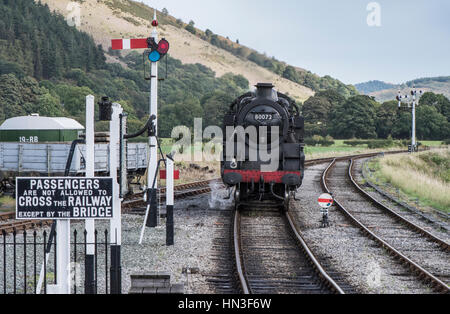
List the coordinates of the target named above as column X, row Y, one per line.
column 415, row 96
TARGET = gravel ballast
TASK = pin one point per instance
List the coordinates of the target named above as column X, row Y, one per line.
column 195, row 223
column 368, row 268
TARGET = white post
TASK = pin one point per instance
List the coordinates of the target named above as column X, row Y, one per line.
column 414, row 122
column 90, row 173
column 63, row 256
column 153, row 163
column 116, row 222
column 169, row 201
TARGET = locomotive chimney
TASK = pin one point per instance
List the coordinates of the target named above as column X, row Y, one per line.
column 265, row 90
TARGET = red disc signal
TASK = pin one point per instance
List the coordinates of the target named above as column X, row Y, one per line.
column 163, row 46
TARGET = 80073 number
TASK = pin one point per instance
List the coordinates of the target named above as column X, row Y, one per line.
column 263, row 116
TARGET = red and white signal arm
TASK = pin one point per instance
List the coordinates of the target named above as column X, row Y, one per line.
column 326, row 200
column 163, row 174
column 125, row 44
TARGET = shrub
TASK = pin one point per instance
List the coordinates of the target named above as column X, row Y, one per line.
column 319, row 140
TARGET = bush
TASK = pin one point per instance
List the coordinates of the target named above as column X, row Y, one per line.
column 447, row 141
column 319, row 140
column 374, row 144
column 355, row 143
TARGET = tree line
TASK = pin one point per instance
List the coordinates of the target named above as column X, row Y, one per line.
column 328, row 113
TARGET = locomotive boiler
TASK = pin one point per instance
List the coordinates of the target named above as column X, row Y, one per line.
column 263, row 150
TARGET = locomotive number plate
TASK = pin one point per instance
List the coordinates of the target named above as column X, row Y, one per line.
column 263, row 117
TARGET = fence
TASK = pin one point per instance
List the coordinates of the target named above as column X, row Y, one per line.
column 26, row 257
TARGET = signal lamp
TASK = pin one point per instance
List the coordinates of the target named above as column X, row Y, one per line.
column 163, row 46
column 158, row 50
column 154, row 56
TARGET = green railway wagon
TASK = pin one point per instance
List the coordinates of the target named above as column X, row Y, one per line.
column 36, row 129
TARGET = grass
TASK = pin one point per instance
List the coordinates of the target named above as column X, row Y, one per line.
column 7, row 203
column 425, row 176
column 341, row 149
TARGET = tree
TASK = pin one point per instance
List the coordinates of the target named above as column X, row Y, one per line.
column 431, row 125
column 387, row 114
column 355, row 118
column 191, row 27
column 73, row 98
column 215, row 106
column 49, row 105
column 165, row 12
column 290, row 73
column 440, row 102
column 316, row 111
column 181, row 113
column 334, row 97
column 208, row 33
column 402, row 126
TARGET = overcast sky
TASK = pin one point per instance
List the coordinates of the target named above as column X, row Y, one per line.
column 333, row 37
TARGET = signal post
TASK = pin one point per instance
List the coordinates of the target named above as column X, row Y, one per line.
column 414, row 97
column 157, row 50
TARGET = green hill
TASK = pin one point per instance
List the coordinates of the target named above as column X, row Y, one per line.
column 48, row 67
column 373, row 86
column 385, row 91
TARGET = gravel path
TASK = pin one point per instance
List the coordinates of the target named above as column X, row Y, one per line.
column 368, row 268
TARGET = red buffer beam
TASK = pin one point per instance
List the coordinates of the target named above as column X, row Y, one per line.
column 124, row 44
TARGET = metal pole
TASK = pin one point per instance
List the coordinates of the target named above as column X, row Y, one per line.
column 89, row 283
column 116, row 222
column 169, row 201
column 153, row 214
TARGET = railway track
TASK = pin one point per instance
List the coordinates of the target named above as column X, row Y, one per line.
column 416, row 249
column 12, row 226
column 272, row 257
column 181, row 191
column 8, row 224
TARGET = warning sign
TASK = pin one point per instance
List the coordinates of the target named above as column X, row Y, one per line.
column 325, row 200
column 64, row 198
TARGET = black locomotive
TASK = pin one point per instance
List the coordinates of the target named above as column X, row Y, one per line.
column 265, row 111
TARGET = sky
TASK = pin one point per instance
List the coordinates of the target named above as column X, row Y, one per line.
column 351, row 40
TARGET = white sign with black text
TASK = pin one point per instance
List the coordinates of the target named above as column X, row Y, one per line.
column 64, row 198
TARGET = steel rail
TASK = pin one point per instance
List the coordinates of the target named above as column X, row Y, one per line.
column 313, row 260
column 315, row 264
column 245, row 287
column 444, row 245
column 423, row 274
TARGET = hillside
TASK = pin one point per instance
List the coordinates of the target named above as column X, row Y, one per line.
column 124, row 19
column 48, row 67
column 437, row 85
column 373, row 86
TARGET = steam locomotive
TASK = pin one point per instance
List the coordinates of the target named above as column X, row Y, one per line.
column 260, row 124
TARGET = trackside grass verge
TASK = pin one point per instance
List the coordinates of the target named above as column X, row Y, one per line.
column 425, row 176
